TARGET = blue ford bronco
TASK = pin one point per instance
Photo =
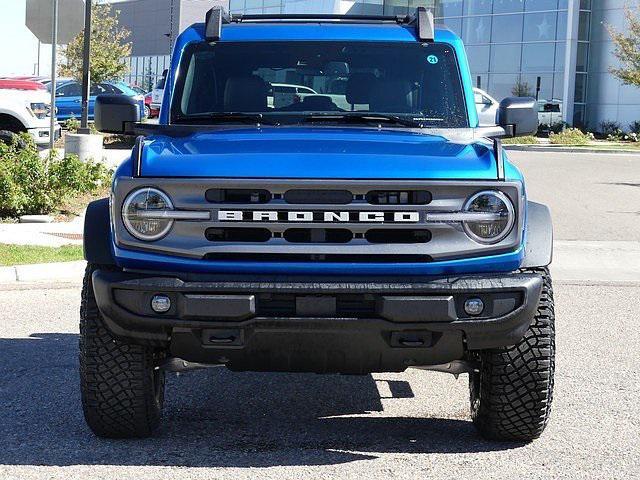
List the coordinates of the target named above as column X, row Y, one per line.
column 318, row 197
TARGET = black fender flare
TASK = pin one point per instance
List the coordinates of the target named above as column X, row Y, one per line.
column 97, row 234
column 539, row 242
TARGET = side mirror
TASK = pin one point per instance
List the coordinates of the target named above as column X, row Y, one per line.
column 518, row 116
column 117, row 114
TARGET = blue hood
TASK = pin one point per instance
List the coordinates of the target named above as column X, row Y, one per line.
column 347, row 153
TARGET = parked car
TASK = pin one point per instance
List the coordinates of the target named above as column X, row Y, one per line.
column 150, row 112
column 138, row 89
column 69, row 97
column 283, row 94
column 487, row 107
column 17, row 84
column 25, row 106
column 549, row 112
column 158, row 92
column 30, row 78
column 311, row 238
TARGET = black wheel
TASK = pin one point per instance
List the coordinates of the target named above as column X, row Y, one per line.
column 122, row 390
column 11, row 138
column 512, row 391
column 147, row 112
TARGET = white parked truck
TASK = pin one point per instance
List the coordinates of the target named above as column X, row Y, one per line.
column 24, row 108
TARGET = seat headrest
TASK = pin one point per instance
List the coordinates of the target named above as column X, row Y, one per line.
column 359, row 88
column 245, row 94
column 320, row 103
column 389, row 96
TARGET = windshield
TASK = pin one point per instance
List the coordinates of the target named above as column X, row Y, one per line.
column 160, row 84
column 410, row 83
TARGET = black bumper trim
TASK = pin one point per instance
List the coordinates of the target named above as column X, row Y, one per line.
column 479, row 333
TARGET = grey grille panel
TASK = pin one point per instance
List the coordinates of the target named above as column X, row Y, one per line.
column 447, row 240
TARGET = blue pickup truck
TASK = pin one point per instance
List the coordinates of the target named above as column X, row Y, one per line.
column 367, row 225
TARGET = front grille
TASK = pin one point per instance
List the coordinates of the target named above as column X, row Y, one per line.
column 318, row 235
column 345, row 197
column 238, row 195
column 238, row 234
column 318, row 197
column 397, row 236
column 318, row 221
column 399, row 197
column 284, row 305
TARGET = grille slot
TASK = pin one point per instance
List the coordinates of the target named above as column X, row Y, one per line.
column 238, row 234
column 347, row 305
column 399, row 197
column 317, row 197
column 238, row 195
column 318, row 235
column 398, row 236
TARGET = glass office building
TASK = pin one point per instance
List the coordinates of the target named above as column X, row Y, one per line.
column 526, row 47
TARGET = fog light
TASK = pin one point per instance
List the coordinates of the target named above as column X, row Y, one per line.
column 474, row 306
column 160, row 303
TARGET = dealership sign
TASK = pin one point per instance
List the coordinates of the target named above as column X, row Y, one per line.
column 70, row 19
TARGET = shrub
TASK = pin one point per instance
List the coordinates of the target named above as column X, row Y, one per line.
column 526, row 140
column 616, row 136
column 570, row 136
column 31, row 185
column 72, row 125
column 544, row 129
column 634, row 127
column 610, row 127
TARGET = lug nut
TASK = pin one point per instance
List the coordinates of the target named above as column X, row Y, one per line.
column 160, row 303
column 473, row 306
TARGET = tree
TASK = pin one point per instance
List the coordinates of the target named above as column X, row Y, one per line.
column 627, row 48
column 108, row 47
column 522, row 89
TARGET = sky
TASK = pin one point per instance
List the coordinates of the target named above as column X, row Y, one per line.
column 18, row 46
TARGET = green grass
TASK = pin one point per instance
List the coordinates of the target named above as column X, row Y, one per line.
column 26, row 254
column 605, row 146
column 526, row 140
column 615, row 146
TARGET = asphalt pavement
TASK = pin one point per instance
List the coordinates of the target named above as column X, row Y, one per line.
column 416, row 424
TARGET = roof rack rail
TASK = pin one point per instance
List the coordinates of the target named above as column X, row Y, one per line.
column 422, row 19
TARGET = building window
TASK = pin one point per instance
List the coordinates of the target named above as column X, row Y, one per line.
column 508, row 6
column 540, row 27
column 506, row 28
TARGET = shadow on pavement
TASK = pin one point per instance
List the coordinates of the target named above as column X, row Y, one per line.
column 213, row 418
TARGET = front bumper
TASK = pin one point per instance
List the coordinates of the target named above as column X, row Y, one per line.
column 320, row 325
column 41, row 135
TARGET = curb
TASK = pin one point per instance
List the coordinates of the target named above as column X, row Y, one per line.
column 47, row 272
column 545, row 149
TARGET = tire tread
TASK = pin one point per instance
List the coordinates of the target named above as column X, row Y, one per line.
column 516, row 383
column 118, row 393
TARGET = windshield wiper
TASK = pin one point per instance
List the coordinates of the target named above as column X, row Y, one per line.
column 223, row 117
column 364, row 117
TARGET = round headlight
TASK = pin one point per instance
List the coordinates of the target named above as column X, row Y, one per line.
column 142, row 214
column 495, row 216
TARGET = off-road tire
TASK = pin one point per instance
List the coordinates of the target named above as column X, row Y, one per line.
column 122, row 390
column 512, row 391
column 11, row 138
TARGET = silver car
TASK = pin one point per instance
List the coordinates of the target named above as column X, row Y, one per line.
column 487, row 107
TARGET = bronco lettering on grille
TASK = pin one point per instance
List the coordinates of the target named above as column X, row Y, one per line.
column 317, row 216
